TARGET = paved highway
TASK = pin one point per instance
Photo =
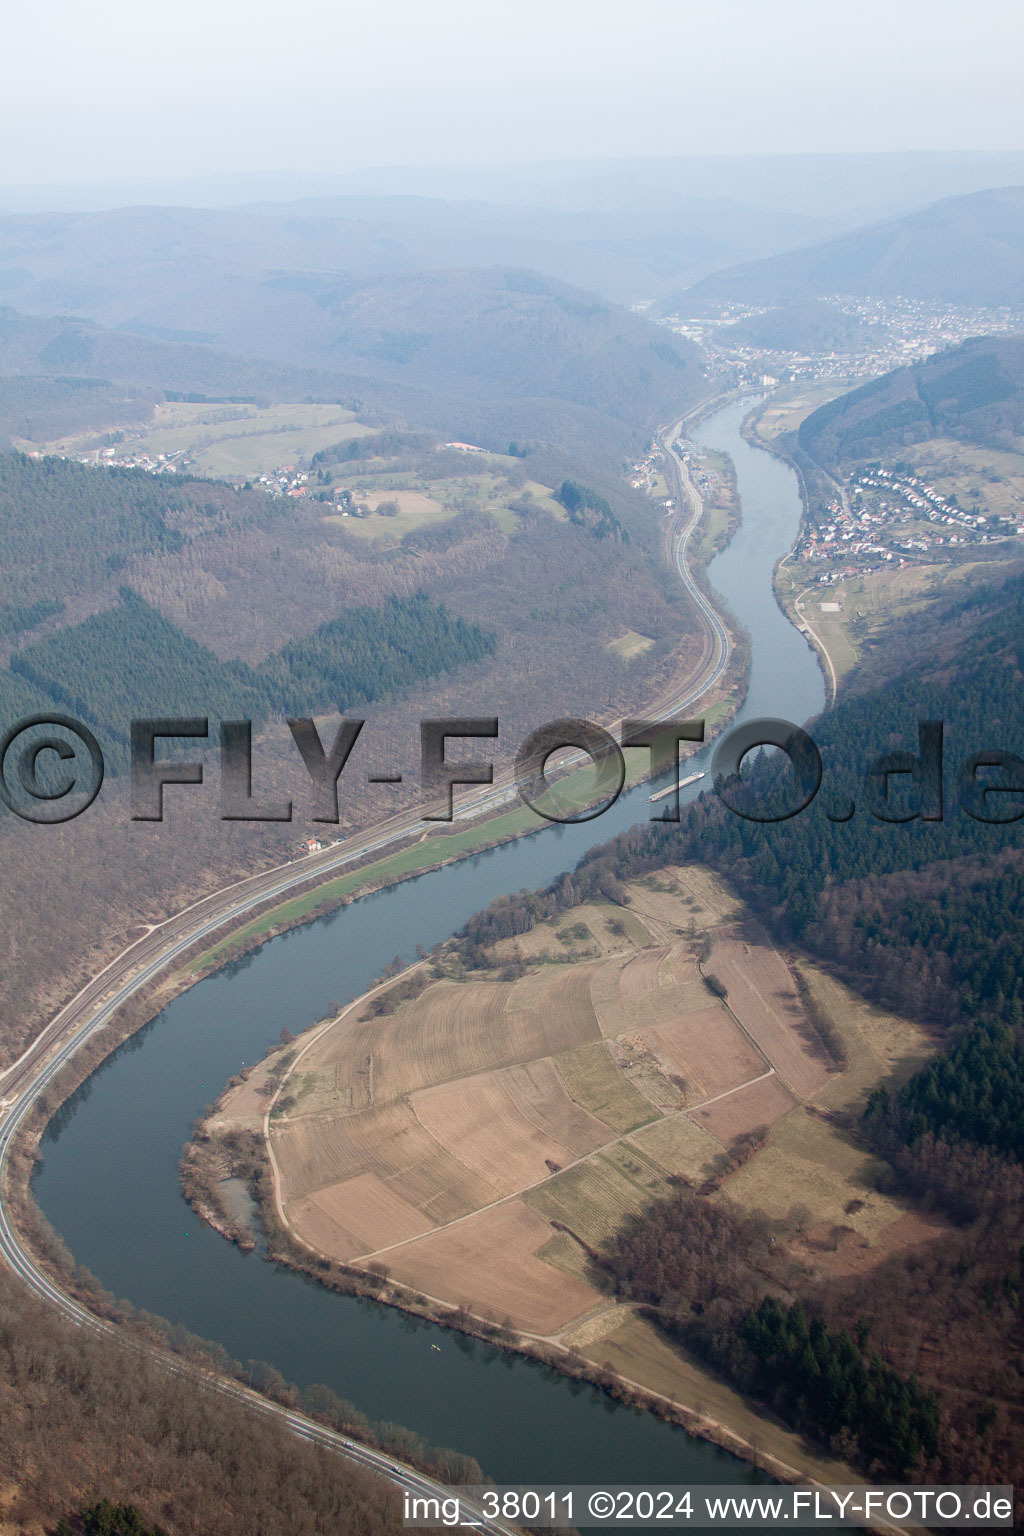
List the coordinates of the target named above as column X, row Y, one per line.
column 22, row 1084
column 721, row 648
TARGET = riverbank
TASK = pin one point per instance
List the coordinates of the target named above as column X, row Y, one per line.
column 421, row 854
column 148, row 1099
column 616, row 1348
column 323, row 893
column 718, row 1415
column 64, row 1070
column 786, row 598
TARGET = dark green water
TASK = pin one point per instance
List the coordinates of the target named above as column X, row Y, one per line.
column 109, row 1182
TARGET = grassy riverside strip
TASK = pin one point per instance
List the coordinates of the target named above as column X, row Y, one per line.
column 427, row 852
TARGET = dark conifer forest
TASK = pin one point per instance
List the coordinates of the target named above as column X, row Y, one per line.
column 921, row 916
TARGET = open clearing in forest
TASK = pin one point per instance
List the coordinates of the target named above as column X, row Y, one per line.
column 464, row 1136
column 878, row 1044
column 232, row 441
column 809, row 1163
column 630, row 645
column 415, row 510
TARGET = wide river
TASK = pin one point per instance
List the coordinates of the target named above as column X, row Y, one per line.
column 109, row 1183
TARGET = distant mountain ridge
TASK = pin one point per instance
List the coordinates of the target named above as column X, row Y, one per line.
column 964, row 250
column 844, row 189
column 341, row 297
column 543, row 364
column 91, row 262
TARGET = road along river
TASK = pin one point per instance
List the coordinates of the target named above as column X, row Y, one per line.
column 109, row 1183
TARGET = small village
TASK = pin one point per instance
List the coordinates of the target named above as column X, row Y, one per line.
column 288, row 480
column 646, row 475
column 110, row 458
column 887, row 516
column 643, row 474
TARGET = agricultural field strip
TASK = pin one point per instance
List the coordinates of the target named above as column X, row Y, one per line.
column 654, row 922
column 797, row 1094
column 686, row 1112
column 315, row 1034
column 330, row 1024
column 724, row 1095
column 602, row 1150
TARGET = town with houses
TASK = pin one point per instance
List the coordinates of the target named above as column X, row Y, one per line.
column 903, row 331
column 888, row 516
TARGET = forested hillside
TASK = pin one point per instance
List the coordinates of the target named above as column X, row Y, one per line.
column 63, row 374
column 194, row 309
column 259, row 605
column 922, row 916
column 60, row 375
column 705, row 1267
column 810, row 325
column 65, row 529
column 43, row 407
column 963, row 250
column 491, row 334
column 920, row 910
column 974, row 392
column 129, row 662
column 81, row 1425
column 623, row 248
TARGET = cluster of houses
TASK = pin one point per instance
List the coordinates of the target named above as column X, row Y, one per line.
column 286, row 481
column 896, row 505
column 707, row 481
column 112, row 458
column 896, row 331
column 642, row 473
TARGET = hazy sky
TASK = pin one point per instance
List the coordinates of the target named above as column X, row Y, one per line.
column 117, row 88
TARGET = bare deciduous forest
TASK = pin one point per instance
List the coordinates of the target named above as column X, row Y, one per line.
column 78, row 1426
column 246, row 580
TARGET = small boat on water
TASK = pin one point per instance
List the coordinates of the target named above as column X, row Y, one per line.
column 663, row 793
